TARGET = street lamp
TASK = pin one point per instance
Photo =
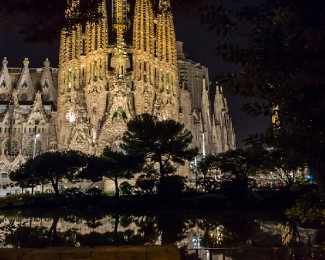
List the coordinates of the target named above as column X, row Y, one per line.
column 197, row 242
column 203, row 145
column 197, row 245
column 35, row 139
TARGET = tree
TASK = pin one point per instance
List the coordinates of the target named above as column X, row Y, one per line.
column 209, row 170
column 309, row 208
column 25, row 176
column 146, row 183
column 51, row 167
column 23, row 236
column 164, row 144
column 237, row 166
column 281, row 56
column 283, row 165
column 112, row 165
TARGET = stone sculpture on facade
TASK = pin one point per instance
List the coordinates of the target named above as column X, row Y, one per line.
column 100, row 85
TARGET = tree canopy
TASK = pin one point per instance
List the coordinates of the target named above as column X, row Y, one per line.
column 163, row 143
column 25, row 176
column 235, row 166
column 50, row 167
column 282, row 58
column 113, row 165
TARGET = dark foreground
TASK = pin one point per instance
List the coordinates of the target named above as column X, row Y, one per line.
column 197, row 234
column 265, row 200
column 160, row 253
column 107, row 253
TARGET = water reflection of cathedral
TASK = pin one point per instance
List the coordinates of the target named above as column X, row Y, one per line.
column 209, row 239
column 102, row 81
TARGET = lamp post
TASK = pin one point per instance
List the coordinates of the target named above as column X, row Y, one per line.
column 34, row 148
column 197, row 245
column 71, row 118
column 195, row 171
column 35, row 140
column 203, row 145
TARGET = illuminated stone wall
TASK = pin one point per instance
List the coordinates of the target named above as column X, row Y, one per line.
column 86, row 103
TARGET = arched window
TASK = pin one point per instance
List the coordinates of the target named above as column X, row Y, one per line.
column 38, row 147
column 14, row 147
column 11, row 148
column 30, row 148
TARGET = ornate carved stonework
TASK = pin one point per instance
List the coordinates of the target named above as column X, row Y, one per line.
column 120, row 81
column 86, row 103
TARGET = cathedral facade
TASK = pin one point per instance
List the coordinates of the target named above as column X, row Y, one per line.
column 102, row 83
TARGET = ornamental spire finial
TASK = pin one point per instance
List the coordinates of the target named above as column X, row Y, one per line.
column 46, row 63
column 164, row 5
column 26, row 62
column 5, row 62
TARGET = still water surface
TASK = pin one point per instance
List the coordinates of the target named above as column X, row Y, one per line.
column 196, row 234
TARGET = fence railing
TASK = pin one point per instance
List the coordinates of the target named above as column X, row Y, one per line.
column 278, row 253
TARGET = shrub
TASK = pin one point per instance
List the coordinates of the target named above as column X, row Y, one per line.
column 126, row 189
column 72, row 193
column 93, row 191
column 146, row 184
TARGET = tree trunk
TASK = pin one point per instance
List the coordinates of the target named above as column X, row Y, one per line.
column 55, row 185
column 161, row 169
column 117, row 220
column 117, row 190
column 53, row 232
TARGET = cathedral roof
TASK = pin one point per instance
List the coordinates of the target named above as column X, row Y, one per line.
column 26, row 81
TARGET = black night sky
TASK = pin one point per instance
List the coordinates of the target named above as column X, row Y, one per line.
column 198, row 43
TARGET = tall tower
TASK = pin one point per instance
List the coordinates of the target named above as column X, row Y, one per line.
column 167, row 103
column 145, row 71
column 120, row 98
column 82, row 82
column 102, row 85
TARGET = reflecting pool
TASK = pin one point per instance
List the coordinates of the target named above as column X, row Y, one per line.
column 208, row 235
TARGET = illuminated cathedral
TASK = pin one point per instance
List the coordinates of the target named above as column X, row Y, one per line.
column 103, row 81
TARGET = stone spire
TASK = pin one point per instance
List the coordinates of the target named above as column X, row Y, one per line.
column 205, row 104
column 144, row 72
column 219, row 105
column 223, row 121
column 49, row 92
column 120, row 60
column 82, row 80
column 166, row 37
column 25, row 86
column 70, row 40
column 83, row 38
column 167, row 67
column 5, row 81
column 143, row 28
column 95, row 36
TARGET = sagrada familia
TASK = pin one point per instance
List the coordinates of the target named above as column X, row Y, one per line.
column 102, row 82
